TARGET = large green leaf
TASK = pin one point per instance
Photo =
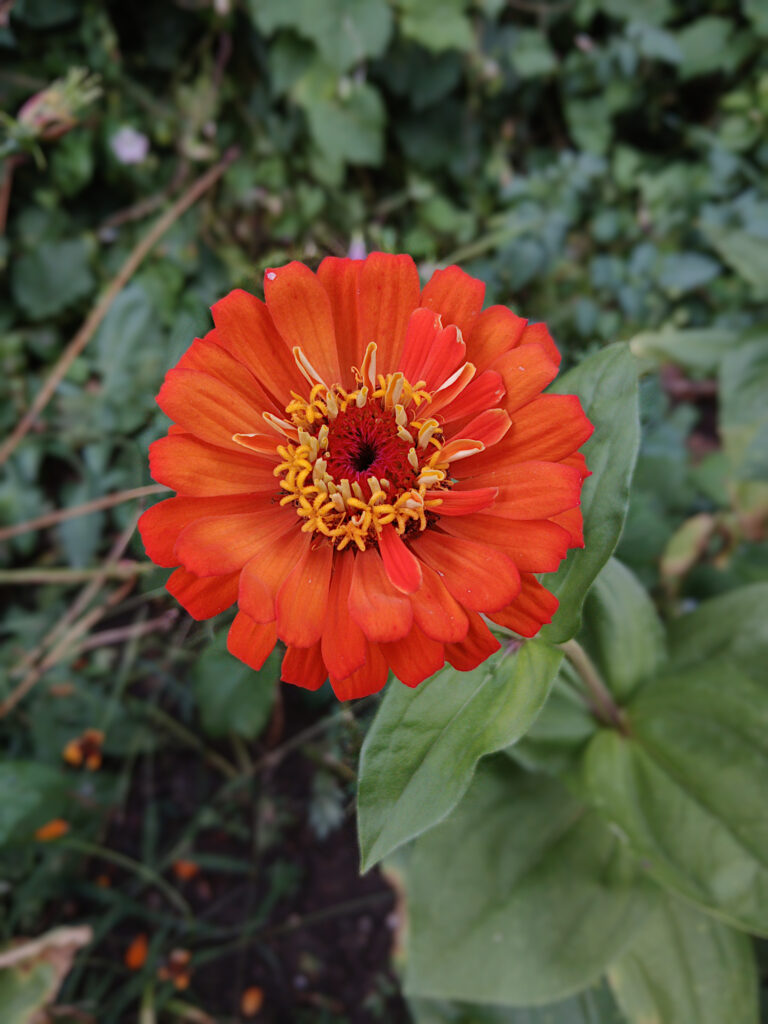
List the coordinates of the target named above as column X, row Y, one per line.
column 687, row 786
column 698, row 349
column 421, row 751
column 746, row 253
column 606, row 383
column 521, row 897
column 344, row 31
column 592, row 1006
column 232, row 698
column 436, row 24
column 622, row 630
column 743, row 414
column 52, row 277
column 684, row 967
column 733, row 626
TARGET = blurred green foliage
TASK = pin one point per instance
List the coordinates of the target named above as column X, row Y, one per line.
column 602, row 165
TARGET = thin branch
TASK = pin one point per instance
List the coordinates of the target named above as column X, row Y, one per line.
column 102, row 307
column 62, row 514
column 96, row 579
column 122, row 633
column 58, row 574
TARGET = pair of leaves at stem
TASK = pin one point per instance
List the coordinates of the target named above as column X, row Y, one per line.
column 528, row 893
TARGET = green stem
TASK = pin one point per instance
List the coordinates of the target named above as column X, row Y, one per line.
column 187, row 737
column 600, row 698
column 133, row 866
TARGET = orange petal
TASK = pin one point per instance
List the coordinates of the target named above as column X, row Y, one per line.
column 195, row 468
column 435, row 612
column 382, row 612
column 304, row 666
column 485, row 391
column 203, row 598
column 401, row 565
column 301, row 311
column 579, row 462
column 161, row 524
column 530, row 490
column 423, row 327
column 549, row 428
column 456, row 296
column 343, row 643
column 572, row 521
column 526, row 371
column 302, row 600
column 496, row 330
column 265, row 574
column 462, row 503
column 208, row 408
column 479, row 644
column 389, row 293
column 480, row 577
column 534, row 545
column 537, row 334
column 448, row 392
column 532, row 608
column 341, row 280
column 415, row 657
column 205, row 355
column 368, row 679
column 223, row 544
column 489, row 427
column 437, row 360
column 245, row 329
column 250, row 641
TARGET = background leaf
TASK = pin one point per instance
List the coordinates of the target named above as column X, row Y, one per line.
column 593, row 1006
column 687, row 787
column 622, row 631
column 606, row 383
column 421, row 750
column 732, row 627
column 232, row 697
column 683, row 966
column 521, row 897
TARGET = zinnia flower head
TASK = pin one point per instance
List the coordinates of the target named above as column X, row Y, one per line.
column 367, row 468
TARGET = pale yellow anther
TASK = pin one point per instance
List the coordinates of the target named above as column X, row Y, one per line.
column 413, row 458
column 331, row 405
column 401, row 417
column 307, row 369
column 281, row 426
column 322, row 436
column 403, row 434
column 346, row 490
column 453, row 378
column 383, row 483
column 338, row 502
column 357, row 490
column 362, row 397
column 368, row 367
column 426, row 430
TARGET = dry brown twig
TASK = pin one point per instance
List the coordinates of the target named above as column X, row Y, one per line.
column 100, row 310
column 67, row 630
column 62, row 514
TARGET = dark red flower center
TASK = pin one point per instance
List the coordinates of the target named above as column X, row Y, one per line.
column 364, row 443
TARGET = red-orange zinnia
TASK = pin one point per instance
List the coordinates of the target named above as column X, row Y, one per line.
column 366, row 467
